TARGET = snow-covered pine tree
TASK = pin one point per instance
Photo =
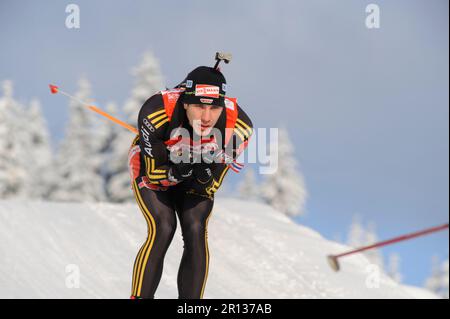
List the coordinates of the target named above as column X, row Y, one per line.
column 12, row 170
column 374, row 255
column 285, row 189
column 248, row 187
column 39, row 155
column 444, row 279
column 433, row 282
column 77, row 174
column 360, row 235
column 438, row 282
column 356, row 234
column 105, row 132
column 148, row 80
column 393, row 268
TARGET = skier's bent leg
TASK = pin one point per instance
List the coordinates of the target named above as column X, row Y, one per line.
column 193, row 272
column 161, row 222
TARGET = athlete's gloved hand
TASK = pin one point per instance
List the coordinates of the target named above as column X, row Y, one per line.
column 181, row 157
column 181, row 171
column 203, row 173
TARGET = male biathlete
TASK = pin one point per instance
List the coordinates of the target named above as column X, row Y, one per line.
column 189, row 137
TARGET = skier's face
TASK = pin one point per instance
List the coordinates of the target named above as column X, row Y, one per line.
column 203, row 117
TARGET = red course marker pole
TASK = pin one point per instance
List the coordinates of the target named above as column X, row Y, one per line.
column 333, row 259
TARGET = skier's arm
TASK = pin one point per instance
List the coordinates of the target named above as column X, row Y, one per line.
column 152, row 123
column 243, row 130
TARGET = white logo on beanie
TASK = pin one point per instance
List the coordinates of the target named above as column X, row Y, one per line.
column 207, row 90
column 206, row 101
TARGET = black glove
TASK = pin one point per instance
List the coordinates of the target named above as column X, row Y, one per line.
column 203, row 173
column 181, row 171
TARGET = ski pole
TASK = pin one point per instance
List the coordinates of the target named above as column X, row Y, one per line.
column 333, row 259
column 55, row 89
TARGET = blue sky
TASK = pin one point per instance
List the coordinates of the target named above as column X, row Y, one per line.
column 367, row 110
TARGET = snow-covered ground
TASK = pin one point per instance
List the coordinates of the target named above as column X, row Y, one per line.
column 255, row 252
